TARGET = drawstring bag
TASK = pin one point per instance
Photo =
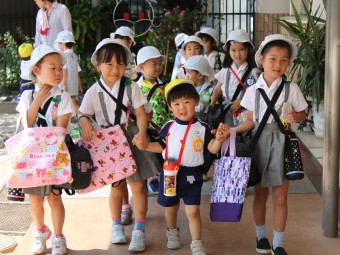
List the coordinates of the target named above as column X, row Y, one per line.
column 38, row 155
column 229, row 183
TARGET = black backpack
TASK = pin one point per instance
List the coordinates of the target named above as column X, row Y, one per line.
column 82, row 167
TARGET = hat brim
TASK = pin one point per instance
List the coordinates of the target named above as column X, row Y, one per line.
column 111, row 41
column 157, row 56
column 174, row 83
column 241, row 41
column 113, row 35
column 63, row 61
column 215, row 39
column 291, row 44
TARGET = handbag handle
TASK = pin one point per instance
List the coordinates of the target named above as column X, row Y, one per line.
column 231, row 141
column 23, row 118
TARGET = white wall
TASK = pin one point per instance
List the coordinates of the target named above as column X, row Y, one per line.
column 272, row 6
column 283, row 6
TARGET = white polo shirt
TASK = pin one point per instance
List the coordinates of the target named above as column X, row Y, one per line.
column 198, row 138
column 212, row 57
column 295, row 99
column 221, row 77
column 65, row 106
column 91, row 103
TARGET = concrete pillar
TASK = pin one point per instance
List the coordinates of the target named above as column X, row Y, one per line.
column 330, row 196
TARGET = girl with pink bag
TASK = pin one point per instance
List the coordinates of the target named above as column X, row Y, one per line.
column 106, row 100
column 46, row 68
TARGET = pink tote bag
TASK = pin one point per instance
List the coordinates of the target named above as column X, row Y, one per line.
column 111, row 155
column 39, row 156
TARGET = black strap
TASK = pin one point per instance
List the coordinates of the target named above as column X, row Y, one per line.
column 274, row 113
column 42, row 122
column 118, row 103
column 118, row 112
column 263, row 122
column 236, row 93
column 152, row 90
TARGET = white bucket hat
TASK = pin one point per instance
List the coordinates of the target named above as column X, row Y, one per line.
column 238, row 35
column 275, row 37
column 209, row 31
column 124, row 31
column 179, row 39
column 111, row 41
column 200, row 64
column 146, row 53
column 38, row 53
column 65, row 37
column 193, row 38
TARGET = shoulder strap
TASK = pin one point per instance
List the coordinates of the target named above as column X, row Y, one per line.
column 275, row 113
column 263, row 122
column 237, row 91
column 42, row 111
column 152, row 90
column 118, row 103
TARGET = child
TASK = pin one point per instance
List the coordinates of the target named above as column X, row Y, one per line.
column 71, row 80
column 150, row 64
column 209, row 37
column 201, row 74
column 25, row 51
column 127, row 37
column 110, row 58
column 274, row 55
column 46, row 68
column 179, row 58
column 237, row 66
column 182, row 98
column 190, row 47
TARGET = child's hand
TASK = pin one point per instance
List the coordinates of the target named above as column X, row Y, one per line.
column 291, row 117
column 140, row 141
column 42, row 94
column 86, row 130
column 236, row 105
column 223, row 131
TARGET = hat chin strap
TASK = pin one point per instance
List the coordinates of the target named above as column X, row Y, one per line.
column 40, row 82
column 149, row 77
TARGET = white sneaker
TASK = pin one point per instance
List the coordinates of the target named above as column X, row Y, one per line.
column 39, row 240
column 173, row 242
column 197, row 248
column 137, row 243
column 59, row 245
column 118, row 234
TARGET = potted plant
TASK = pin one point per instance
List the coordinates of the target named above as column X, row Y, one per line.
column 309, row 66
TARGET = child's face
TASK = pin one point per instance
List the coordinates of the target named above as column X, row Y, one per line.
column 208, row 44
column 238, row 52
column 152, row 68
column 183, row 108
column 192, row 48
column 195, row 76
column 112, row 71
column 50, row 70
column 275, row 62
column 126, row 41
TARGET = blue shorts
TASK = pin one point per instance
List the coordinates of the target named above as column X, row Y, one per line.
column 189, row 186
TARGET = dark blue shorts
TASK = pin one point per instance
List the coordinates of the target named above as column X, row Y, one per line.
column 189, row 186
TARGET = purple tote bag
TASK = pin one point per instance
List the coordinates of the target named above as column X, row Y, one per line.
column 229, row 184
